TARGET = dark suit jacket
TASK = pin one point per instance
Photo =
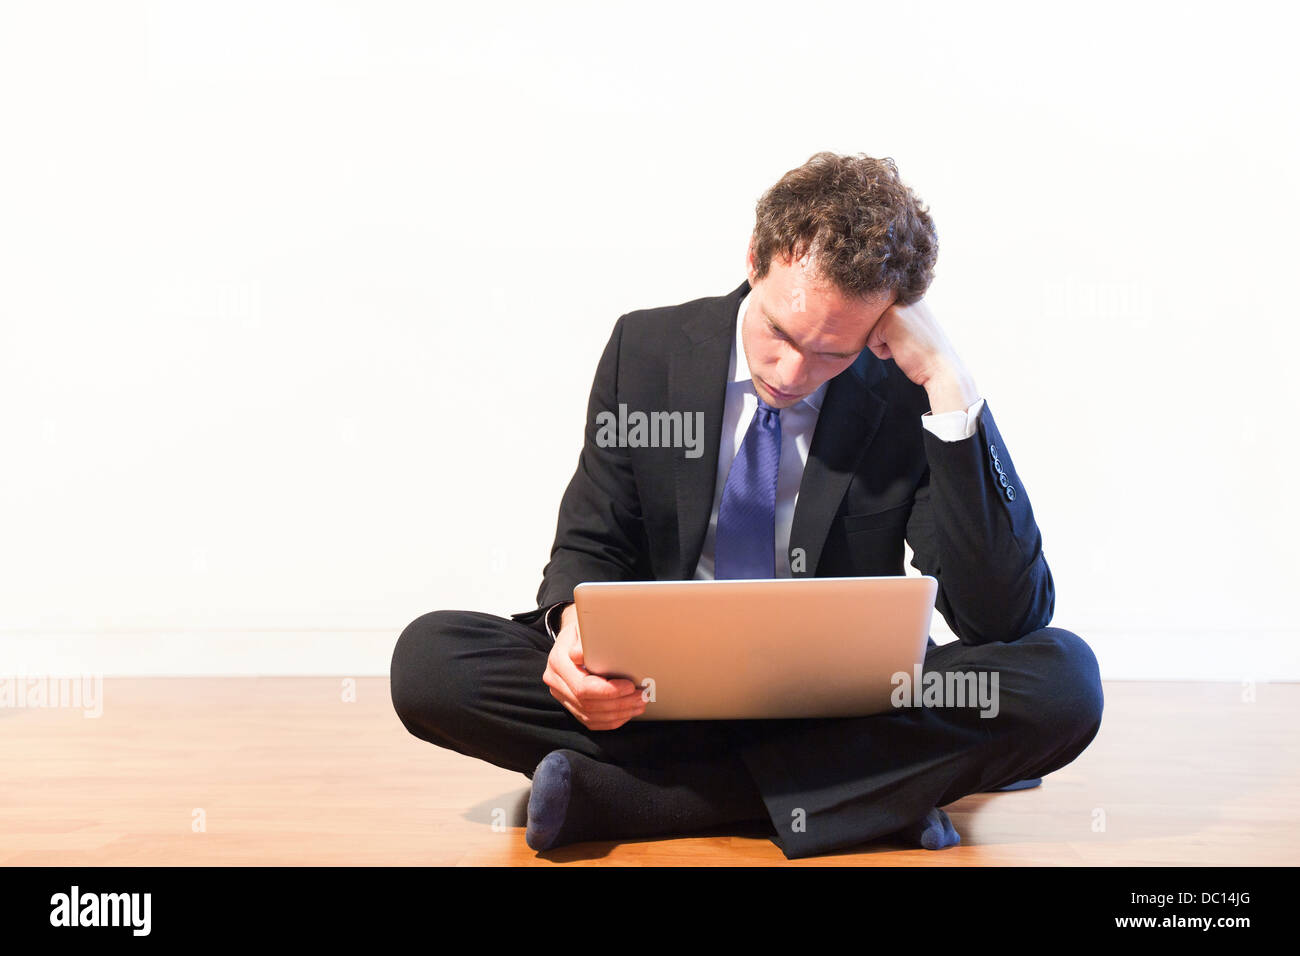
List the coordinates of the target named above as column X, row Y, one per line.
column 873, row 475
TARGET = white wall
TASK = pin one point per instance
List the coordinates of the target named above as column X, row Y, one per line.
column 300, row 302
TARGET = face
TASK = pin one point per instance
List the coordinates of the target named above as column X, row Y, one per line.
column 799, row 332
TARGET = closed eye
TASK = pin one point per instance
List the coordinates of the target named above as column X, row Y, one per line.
column 780, row 334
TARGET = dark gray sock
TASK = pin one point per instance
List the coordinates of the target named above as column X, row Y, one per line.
column 576, row 799
column 934, row 831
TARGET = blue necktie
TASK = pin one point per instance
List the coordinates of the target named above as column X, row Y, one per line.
column 745, row 541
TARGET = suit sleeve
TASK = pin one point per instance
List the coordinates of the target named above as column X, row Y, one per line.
column 972, row 528
column 599, row 535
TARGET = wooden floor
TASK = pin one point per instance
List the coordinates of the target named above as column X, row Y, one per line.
column 283, row 771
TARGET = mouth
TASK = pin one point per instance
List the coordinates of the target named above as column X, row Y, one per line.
column 778, row 393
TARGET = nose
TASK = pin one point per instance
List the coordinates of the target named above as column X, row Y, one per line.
column 792, row 367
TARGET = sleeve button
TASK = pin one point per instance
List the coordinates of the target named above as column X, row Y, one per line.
column 1011, row 493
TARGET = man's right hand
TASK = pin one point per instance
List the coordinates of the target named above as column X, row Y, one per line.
column 600, row 704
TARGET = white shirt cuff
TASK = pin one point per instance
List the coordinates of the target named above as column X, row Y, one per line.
column 954, row 425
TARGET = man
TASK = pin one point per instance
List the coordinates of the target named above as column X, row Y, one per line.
column 838, row 421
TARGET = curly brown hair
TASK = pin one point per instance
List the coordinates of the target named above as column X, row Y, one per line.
column 865, row 230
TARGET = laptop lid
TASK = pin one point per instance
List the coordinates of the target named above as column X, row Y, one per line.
column 770, row 648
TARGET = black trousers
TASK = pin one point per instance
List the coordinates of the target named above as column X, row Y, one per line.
column 472, row 682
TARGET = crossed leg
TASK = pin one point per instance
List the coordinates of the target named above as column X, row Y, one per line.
column 830, row 784
column 472, row 682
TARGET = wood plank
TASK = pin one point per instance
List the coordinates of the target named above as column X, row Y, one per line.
column 288, row 773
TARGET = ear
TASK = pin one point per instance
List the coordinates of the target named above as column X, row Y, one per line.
column 749, row 261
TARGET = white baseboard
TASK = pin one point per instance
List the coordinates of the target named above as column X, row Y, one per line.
column 206, row 653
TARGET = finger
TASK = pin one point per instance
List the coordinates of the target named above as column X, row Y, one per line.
column 611, row 709
column 582, row 694
column 562, row 690
column 594, row 687
column 587, row 685
column 621, row 686
column 606, row 721
column 607, row 726
column 573, row 706
column 625, row 707
column 567, row 663
column 577, row 713
column 607, row 707
column 599, row 708
column 597, row 721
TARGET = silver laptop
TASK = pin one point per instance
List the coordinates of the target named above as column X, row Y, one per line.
column 773, row 648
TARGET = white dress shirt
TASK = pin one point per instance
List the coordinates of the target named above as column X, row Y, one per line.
column 797, row 425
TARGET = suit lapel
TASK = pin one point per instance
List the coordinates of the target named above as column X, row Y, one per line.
column 697, row 381
column 849, row 419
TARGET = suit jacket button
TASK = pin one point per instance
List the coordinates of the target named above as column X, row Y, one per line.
column 1003, row 478
column 993, row 450
column 1011, row 493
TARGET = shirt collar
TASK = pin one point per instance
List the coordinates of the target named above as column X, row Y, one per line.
column 740, row 366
